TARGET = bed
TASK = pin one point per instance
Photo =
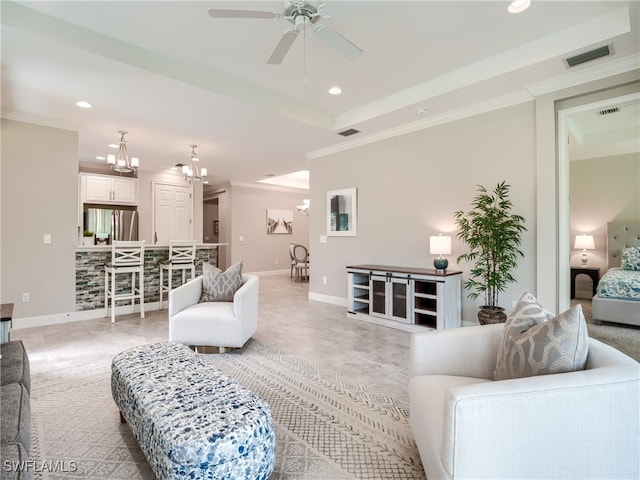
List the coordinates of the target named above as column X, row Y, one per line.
column 615, row 301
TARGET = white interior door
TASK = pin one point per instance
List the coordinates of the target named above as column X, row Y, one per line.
column 173, row 207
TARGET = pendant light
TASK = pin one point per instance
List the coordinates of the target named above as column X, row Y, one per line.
column 121, row 162
column 192, row 171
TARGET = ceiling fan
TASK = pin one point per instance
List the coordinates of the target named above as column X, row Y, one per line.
column 301, row 15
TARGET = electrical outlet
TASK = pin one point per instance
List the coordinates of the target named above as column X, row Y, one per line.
column 324, row 280
column 26, row 297
column 46, row 238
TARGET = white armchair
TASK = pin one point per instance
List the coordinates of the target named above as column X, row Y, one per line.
column 220, row 324
column 583, row 424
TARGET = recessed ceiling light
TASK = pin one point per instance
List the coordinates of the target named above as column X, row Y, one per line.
column 113, row 145
column 518, row 6
column 335, row 90
column 83, row 104
column 422, row 111
column 100, row 157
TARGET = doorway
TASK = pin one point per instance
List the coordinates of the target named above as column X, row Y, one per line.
column 613, row 138
column 211, row 221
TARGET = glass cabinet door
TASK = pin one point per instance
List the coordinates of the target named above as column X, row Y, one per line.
column 378, row 303
column 399, row 299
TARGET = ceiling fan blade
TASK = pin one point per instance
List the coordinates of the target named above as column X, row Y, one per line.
column 338, row 42
column 283, row 47
column 217, row 13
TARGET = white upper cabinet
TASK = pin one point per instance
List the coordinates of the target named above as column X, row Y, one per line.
column 108, row 189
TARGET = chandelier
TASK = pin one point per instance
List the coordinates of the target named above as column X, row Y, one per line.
column 121, row 162
column 192, row 171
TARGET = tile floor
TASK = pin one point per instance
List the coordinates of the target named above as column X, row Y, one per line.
column 317, row 332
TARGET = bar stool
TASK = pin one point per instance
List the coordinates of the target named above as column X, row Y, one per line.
column 126, row 257
column 182, row 256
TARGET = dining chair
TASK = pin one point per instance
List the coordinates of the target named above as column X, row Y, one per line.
column 301, row 255
column 293, row 259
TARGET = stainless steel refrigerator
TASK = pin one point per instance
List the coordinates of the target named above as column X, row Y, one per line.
column 111, row 222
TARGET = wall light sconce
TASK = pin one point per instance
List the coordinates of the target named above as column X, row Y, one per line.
column 440, row 245
column 584, row 242
column 304, row 208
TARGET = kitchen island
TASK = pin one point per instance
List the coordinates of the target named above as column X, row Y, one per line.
column 90, row 261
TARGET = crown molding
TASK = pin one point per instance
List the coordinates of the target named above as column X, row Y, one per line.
column 585, row 75
column 497, row 103
column 42, row 120
column 266, row 186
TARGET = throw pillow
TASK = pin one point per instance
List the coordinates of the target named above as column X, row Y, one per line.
column 534, row 342
column 630, row 258
column 219, row 286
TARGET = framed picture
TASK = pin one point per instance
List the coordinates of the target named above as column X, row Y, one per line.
column 279, row 221
column 342, row 212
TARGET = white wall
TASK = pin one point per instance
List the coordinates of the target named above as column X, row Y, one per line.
column 408, row 189
column 259, row 251
column 39, row 196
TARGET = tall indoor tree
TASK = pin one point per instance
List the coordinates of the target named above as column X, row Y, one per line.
column 493, row 235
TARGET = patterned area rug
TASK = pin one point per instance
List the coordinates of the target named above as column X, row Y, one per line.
column 327, row 427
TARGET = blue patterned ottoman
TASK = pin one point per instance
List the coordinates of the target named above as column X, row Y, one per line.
column 192, row 421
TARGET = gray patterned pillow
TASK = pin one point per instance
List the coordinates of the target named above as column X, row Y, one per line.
column 534, row 342
column 219, row 286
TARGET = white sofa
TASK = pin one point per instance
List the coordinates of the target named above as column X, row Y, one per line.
column 219, row 324
column 583, row 424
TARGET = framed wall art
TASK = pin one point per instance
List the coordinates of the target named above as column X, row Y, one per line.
column 279, row 221
column 342, row 212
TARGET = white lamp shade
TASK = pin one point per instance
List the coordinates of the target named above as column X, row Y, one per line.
column 584, row 242
column 111, row 159
column 135, row 162
column 440, row 245
column 203, row 172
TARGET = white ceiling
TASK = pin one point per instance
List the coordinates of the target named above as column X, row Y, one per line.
column 172, row 76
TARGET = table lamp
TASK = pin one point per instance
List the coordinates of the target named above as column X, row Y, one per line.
column 584, row 242
column 440, row 245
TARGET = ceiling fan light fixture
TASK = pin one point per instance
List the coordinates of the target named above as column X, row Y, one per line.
column 518, row 6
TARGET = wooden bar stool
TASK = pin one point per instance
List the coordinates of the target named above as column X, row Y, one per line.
column 126, row 257
column 182, row 256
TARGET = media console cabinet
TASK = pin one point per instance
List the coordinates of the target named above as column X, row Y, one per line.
column 402, row 297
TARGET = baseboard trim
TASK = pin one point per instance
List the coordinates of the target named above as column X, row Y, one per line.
column 319, row 297
column 68, row 317
column 268, row 273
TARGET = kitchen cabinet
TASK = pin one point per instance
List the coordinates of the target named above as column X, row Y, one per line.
column 402, row 297
column 108, row 189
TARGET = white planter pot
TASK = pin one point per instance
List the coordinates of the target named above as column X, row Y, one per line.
column 88, row 241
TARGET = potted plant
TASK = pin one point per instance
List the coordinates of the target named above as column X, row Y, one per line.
column 87, row 238
column 493, row 235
